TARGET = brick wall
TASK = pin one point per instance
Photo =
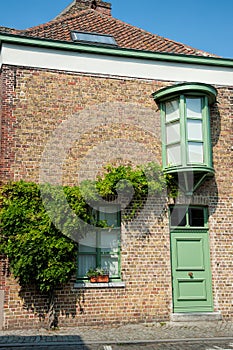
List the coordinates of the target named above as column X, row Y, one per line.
column 94, row 121
column 219, row 192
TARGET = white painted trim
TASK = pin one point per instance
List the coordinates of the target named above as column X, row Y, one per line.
column 36, row 57
column 87, row 285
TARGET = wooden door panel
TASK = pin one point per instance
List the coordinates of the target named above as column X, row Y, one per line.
column 189, row 254
column 192, row 290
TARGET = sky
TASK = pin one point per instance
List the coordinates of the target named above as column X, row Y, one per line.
column 203, row 24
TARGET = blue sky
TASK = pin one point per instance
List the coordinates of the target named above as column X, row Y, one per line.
column 203, row 24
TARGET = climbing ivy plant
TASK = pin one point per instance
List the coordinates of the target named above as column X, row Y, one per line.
column 39, row 253
column 142, row 180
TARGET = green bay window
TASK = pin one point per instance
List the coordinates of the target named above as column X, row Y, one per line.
column 185, row 117
column 186, row 141
column 101, row 246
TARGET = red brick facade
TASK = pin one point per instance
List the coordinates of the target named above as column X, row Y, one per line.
column 35, row 102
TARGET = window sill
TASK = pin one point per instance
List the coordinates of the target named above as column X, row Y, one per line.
column 89, row 285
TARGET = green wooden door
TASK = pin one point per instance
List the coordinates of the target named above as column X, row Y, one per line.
column 192, row 288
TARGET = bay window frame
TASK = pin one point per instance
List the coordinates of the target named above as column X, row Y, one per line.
column 187, row 173
column 184, row 140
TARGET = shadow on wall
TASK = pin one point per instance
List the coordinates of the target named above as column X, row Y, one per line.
column 65, row 302
column 215, row 123
column 208, row 193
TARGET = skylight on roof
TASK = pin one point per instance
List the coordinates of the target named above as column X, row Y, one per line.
column 95, row 38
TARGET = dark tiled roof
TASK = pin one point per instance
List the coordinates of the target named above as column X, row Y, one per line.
column 90, row 20
column 7, row 30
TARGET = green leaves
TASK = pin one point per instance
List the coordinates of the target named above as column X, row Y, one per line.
column 37, row 242
column 122, row 178
column 136, row 182
column 38, row 252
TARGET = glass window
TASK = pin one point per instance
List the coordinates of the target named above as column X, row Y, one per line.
column 186, row 133
column 109, row 215
column 193, row 107
column 110, row 263
column 184, row 128
column 195, row 152
column 109, row 240
column 181, row 216
column 88, row 244
column 196, row 217
column 194, row 129
column 173, row 132
column 178, row 216
column 96, row 38
column 85, row 262
column 100, row 248
column 174, row 155
column 172, row 110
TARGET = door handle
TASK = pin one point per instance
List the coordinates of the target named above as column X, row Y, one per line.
column 190, row 274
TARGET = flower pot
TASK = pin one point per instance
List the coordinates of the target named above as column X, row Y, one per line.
column 93, row 279
column 103, row 278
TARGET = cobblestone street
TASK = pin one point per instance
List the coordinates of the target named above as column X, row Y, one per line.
column 181, row 345
column 212, row 335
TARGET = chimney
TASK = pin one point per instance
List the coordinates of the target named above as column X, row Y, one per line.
column 98, row 5
column 101, row 6
column 80, row 5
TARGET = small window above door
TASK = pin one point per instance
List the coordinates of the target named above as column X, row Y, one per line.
column 182, row 216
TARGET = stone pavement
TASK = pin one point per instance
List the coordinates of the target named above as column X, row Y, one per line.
column 80, row 337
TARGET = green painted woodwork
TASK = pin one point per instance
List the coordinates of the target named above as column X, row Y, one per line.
column 137, row 54
column 99, row 250
column 183, row 139
column 191, row 274
column 192, row 290
column 194, row 89
column 207, row 133
column 188, row 173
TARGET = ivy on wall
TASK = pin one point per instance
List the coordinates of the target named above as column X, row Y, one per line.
column 39, row 253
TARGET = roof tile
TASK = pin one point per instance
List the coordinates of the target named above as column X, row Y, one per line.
column 90, row 20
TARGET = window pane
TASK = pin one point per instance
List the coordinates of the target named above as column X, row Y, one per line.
column 173, row 155
column 172, row 110
column 85, row 262
column 88, row 243
column 110, row 263
column 173, row 132
column 95, row 38
column 110, row 214
column 178, row 216
column 195, row 152
column 109, row 240
column 193, row 106
column 196, row 217
column 194, row 129
column 86, row 249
